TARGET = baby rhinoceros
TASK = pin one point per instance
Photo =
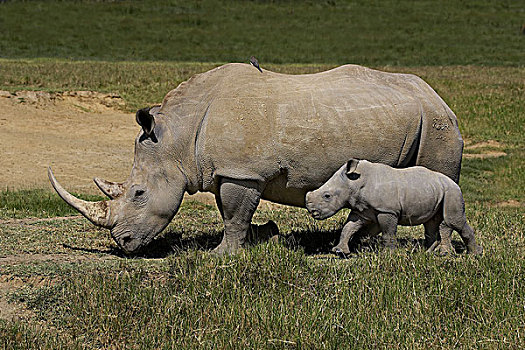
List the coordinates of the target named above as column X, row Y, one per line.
column 382, row 197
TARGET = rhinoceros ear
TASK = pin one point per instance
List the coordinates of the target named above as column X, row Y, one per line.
column 146, row 120
column 351, row 166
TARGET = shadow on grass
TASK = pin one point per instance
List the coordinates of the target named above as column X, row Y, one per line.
column 175, row 242
column 110, row 251
column 311, row 242
column 321, row 242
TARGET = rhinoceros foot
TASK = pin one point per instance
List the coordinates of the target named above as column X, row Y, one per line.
column 474, row 249
column 231, row 244
column 441, row 248
column 228, row 247
column 341, row 250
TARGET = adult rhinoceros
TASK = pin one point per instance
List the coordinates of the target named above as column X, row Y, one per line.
column 243, row 136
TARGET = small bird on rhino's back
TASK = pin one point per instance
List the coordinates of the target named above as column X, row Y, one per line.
column 255, row 63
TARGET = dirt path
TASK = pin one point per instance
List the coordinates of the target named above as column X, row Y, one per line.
column 81, row 135
column 31, row 221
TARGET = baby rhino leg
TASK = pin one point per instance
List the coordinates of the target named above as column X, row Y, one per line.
column 388, row 223
column 353, row 224
column 432, row 233
column 440, row 241
column 467, row 235
column 454, row 218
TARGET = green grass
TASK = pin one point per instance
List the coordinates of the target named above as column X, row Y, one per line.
column 272, row 296
column 372, row 33
column 79, row 292
column 494, row 180
column 269, row 296
column 16, row 204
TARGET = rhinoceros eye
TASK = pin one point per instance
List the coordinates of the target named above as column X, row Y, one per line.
column 326, row 196
column 139, row 193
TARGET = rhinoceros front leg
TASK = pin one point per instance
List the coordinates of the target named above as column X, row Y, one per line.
column 237, row 201
column 353, row 224
column 388, row 224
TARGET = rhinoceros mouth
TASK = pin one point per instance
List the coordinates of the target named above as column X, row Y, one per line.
column 315, row 214
column 130, row 246
column 129, row 241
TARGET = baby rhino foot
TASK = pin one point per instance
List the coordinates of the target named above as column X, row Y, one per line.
column 341, row 251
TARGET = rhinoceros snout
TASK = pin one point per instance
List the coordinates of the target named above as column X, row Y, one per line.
column 316, row 213
column 312, row 210
column 128, row 243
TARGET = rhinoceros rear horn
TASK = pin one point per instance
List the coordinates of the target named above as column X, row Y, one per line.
column 110, row 189
column 146, row 120
column 96, row 212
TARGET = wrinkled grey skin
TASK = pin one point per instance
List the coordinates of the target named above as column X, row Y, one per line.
column 382, row 197
column 244, row 136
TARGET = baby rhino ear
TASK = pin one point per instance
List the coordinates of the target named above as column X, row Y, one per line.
column 351, row 166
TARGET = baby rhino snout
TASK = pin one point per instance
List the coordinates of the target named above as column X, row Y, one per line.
column 310, row 205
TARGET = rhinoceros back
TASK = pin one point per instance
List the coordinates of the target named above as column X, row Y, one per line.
column 291, row 132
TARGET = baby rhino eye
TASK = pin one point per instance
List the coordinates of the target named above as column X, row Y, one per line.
column 326, row 196
column 139, row 193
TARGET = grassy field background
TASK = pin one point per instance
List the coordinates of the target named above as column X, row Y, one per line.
column 68, row 286
column 334, row 31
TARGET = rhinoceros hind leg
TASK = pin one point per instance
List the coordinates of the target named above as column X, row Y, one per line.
column 432, row 236
column 454, row 217
column 467, row 234
column 443, row 246
column 237, row 201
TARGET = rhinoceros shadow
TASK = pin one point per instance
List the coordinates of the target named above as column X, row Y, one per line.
column 174, row 242
column 321, row 242
column 311, row 242
column 110, row 251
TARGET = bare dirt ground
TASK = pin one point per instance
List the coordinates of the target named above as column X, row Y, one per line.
column 81, row 135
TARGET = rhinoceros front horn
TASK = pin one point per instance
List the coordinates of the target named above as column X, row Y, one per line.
column 96, row 212
column 110, row 189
